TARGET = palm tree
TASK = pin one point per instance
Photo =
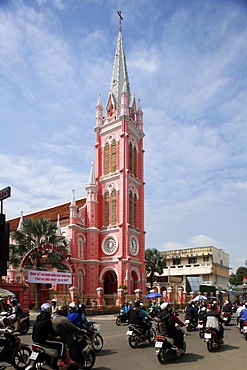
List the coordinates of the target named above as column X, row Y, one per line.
column 155, row 262
column 35, row 233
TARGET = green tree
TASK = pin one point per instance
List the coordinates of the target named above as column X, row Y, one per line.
column 237, row 279
column 155, row 262
column 35, row 233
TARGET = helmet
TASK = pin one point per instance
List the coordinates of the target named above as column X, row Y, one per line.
column 137, row 303
column 164, row 306
column 213, row 306
column 54, row 300
column 73, row 306
column 240, row 303
column 226, row 302
column 141, row 304
column 46, row 307
column 14, row 301
column 62, row 309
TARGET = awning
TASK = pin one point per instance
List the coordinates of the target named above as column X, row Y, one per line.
column 194, row 283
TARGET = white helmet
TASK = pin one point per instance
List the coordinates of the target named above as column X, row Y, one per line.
column 73, row 306
column 164, row 306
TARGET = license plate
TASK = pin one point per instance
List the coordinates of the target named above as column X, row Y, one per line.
column 207, row 335
column 129, row 332
column 199, row 326
column 225, row 318
column 187, row 321
column 158, row 344
column 34, row 355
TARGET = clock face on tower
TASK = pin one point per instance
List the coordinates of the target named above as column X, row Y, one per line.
column 133, row 246
column 109, row 245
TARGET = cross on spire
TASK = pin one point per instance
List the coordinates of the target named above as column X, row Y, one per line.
column 120, row 17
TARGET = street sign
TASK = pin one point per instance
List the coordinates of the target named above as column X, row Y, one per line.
column 5, row 193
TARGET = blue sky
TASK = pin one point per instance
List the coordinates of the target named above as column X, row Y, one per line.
column 187, row 62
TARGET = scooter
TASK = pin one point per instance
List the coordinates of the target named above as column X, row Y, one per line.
column 242, row 326
column 226, row 316
column 122, row 318
column 24, row 323
column 95, row 336
column 201, row 328
column 12, row 351
column 212, row 339
column 165, row 349
column 136, row 336
column 190, row 323
column 44, row 357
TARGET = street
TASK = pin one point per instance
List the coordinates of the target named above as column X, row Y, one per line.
column 117, row 355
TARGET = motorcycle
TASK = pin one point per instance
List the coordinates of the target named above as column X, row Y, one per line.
column 24, row 323
column 201, row 328
column 45, row 358
column 12, row 351
column 242, row 326
column 190, row 323
column 165, row 349
column 212, row 339
column 122, row 318
column 95, row 336
column 226, row 316
column 136, row 335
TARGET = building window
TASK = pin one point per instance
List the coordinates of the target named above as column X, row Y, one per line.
column 110, row 208
column 80, row 245
column 206, row 277
column 132, row 160
column 110, row 157
column 192, row 260
column 205, row 258
column 176, row 261
column 132, row 209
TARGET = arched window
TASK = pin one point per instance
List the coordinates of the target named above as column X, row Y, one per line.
column 110, row 205
column 133, row 209
column 80, row 247
column 80, row 281
column 106, row 209
column 110, row 156
column 132, row 159
column 107, row 159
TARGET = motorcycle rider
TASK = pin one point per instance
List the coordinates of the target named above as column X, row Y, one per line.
column 191, row 311
column 74, row 315
column 16, row 312
column 166, row 324
column 202, row 311
column 239, row 309
column 44, row 333
column 135, row 316
column 65, row 328
column 214, row 320
column 227, row 307
column 243, row 315
column 85, row 322
column 146, row 324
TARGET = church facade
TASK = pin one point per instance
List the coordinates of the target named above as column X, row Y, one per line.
column 105, row 230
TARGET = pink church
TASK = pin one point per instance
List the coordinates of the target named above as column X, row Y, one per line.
column 105, row 230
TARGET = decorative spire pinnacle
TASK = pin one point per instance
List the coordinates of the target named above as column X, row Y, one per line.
column 20, row 226
column 58, row 232
column 91, row 178
column 73, row 198
column 119, row 73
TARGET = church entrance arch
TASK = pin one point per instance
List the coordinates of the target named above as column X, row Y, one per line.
column 110, row 282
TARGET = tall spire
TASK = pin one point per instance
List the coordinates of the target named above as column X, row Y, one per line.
column 119, row 73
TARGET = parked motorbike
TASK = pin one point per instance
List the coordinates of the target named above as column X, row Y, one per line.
column 165, row 349
column 122, row 318
column 44, row 357
column 190, row 323
column 12, row 351
column 226, row 316
column 137, row 337
column 212, row 339
column 95, row 336
column 24, row 323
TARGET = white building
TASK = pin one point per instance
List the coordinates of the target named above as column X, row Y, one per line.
column 192, row 267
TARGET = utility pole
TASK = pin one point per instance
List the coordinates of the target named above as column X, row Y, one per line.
column 4, row 233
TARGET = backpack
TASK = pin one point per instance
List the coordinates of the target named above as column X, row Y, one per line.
column 163, row 323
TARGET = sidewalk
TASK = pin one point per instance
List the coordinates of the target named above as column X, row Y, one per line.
column 104, row 317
